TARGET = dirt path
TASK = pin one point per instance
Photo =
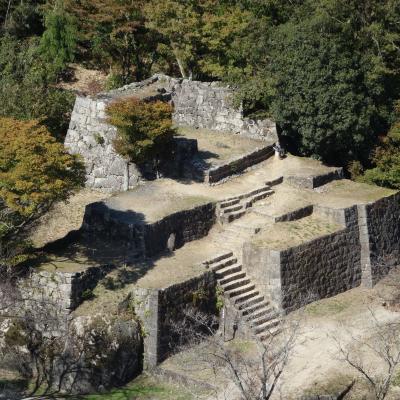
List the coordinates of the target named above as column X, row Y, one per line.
column 315, row 366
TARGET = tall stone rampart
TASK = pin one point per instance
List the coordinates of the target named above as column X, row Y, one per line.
column 379, row 226
column 90, row 136
column 196, row 104
column 316, row 269
column 163, row 310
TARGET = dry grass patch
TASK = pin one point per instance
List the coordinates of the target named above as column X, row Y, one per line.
column 283, row 235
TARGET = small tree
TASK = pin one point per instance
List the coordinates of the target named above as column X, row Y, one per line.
column 384, row 345
column 386, row 158
column 256, row 371
column 58, row 42
column 144, row 129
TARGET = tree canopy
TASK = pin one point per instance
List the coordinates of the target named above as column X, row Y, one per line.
column 144, row 128
column 35, row 172
column 327, row 71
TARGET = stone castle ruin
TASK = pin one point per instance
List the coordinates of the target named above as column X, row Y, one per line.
column 272, row 236
column 196, row 104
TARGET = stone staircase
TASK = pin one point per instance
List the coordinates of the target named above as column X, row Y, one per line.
column 235, row 207
column 254, row 308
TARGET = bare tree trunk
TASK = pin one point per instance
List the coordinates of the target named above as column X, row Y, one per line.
column 7, row 12
column 180, row 63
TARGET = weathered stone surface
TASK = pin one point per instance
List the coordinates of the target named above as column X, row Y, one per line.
column 317, row 269
column 111, row 351
column 197, row 104
column 162, row 310
column 62, row 289
column 130, row 230
column 379, row 229
column 314, row 181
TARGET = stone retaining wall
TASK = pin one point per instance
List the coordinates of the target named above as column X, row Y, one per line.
column 64, row 290
column 91, row 137
column 379, row 227
column 129, row 229
column 314, row 270
column 314, row 181
column 296, row 214
column 209, row 105
column 218, row 173
column 186, row 225
column 197, row 104
column 162, row 310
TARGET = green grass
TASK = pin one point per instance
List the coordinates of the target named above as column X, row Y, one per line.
column 327, row 307
column 142, row 388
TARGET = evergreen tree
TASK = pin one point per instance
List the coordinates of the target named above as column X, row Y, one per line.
column 58, row 42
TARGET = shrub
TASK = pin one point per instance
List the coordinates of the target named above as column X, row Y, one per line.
column 144, row 129
column 87, row 294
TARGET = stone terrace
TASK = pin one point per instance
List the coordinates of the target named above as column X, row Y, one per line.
column 260, row 235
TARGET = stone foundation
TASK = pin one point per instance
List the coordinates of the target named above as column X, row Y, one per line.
column 65, row 290
column 129, row 229
column 314, row 181
column 314, row 270
column 197, row 104
column 162, row 310
column 379, row 226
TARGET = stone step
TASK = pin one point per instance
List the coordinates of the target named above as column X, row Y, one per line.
column 258, row 197
column 270, row 333
column 238, row 283
column 229, row 203
column 234, row 208
column 266, row 326
column 224, row 263
column 241, row 290
column 257, row 191
column 231, row 277
column 249, row 194
column 261, row 316
column 219, row 257
column 255, row 308
column 230, row 269
column 240, row 299
column 252, row 302
column 235, row 215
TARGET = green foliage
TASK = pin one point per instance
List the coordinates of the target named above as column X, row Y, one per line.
column 58, row 41
column 144, row 129
column 386, row 159
column 27, row 86
column 327, row 70
column 321, row 100
column 24, row 18
column 87, row 294
column 35, row 172
column 16, row 335
column 143, row 388
column 204, row 38
column 99, row 138
column 114, row 81
column 220, row 298
column 113, row 36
